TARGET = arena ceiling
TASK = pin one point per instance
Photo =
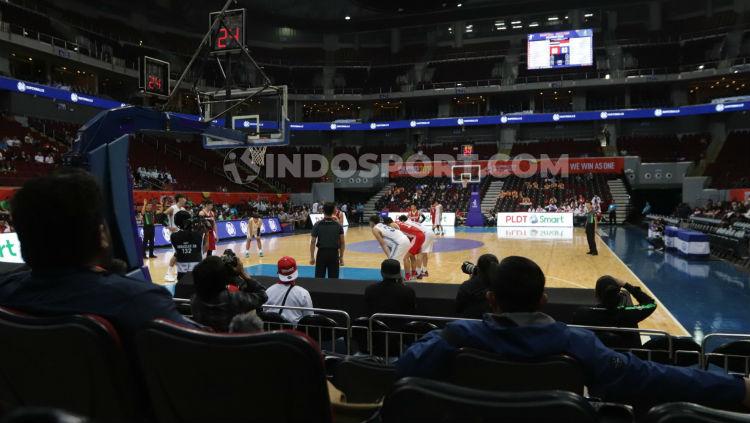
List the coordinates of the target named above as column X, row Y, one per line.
column 329, row 15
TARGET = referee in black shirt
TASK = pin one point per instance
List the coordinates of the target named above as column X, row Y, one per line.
column 591, row 229
column 328, row 236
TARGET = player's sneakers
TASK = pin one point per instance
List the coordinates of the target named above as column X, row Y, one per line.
column 419, row 276
column 407, row 277
column 260, row 254
column 247, row 254
column 426, row 274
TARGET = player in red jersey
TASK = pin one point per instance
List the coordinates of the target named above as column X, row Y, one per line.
column 338, row 216
column 414, row 214
column 417, row 238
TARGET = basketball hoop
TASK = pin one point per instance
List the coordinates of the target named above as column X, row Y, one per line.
column 258, row 155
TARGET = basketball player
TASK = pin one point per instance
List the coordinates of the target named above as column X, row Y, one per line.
column 437, row 218
column 179, row 205
column 414, row 214
column 210, row 215
column 253, row 231
column 429, row 240
column 338, row 215
column 417, row 236
column 394, row 243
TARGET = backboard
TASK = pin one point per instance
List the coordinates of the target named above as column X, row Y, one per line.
column 258, row 117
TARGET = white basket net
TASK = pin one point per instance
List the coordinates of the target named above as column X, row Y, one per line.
column 258, row 155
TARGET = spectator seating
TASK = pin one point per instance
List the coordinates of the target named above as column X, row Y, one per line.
column 423, row 191
column 516, row 188
column 194, row 376
column 76, row 363
column 422, row 400
column 554, row 148
column 729, row 170
column 351, row 371
column 18, row 161
column 471, row 367
column 683, row 412
column 665, row 148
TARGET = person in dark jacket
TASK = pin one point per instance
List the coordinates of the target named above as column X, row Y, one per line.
column 518, row 330
column 391, row 295
column 471, row 299
column 217, row 300
column 69, row 251
column 615, row 308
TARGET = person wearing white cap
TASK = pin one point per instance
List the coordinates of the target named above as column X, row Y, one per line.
column 287, row 293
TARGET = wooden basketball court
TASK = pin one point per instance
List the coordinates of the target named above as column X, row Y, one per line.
column 564, row 261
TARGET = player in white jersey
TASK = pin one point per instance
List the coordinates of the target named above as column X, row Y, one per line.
column 179, row 205
column 437, row 218
column 429, row 240
column 394, row 243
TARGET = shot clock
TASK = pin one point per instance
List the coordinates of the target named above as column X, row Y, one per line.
column 228, row 36
column 154, row 77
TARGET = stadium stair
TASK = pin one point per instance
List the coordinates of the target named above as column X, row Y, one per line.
column 370, row 205
column 490, row 197
column 620, row 195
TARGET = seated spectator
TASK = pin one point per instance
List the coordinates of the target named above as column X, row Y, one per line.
column 246, row 323
column 218, row 299
column 49, row 159
column 39, row 158
column 391, row 295
column 615, row 309
column 518, row 330
column 287, row 293
column 72, row 278
column 471, row 299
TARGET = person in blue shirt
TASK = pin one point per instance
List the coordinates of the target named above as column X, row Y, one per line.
column 518, row 330
column 65, row 241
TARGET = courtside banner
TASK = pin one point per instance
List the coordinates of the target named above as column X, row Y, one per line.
column 501, row 168
column 448, row 219
column 226, row 229
column 557, row 220
column 317, row 217
column 535, row 233
column 10, row 248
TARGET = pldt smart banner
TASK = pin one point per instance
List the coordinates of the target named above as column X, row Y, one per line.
column 15, row 85
column 557, row 220
column 227, row 229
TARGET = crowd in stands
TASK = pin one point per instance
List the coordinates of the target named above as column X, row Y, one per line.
column 25, row 152
column 554, row 194
column 423, row 192
column 728, row 212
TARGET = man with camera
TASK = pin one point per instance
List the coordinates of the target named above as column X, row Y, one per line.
column 223, row 290
column 471, row 299
column 615, row 308
column 189, row 245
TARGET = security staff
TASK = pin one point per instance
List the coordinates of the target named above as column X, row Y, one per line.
column 328, row 237
column 591, row 229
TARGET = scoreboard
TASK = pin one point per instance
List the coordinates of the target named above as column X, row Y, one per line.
column 563, row 49
column 154, row 77
column 228, row 36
